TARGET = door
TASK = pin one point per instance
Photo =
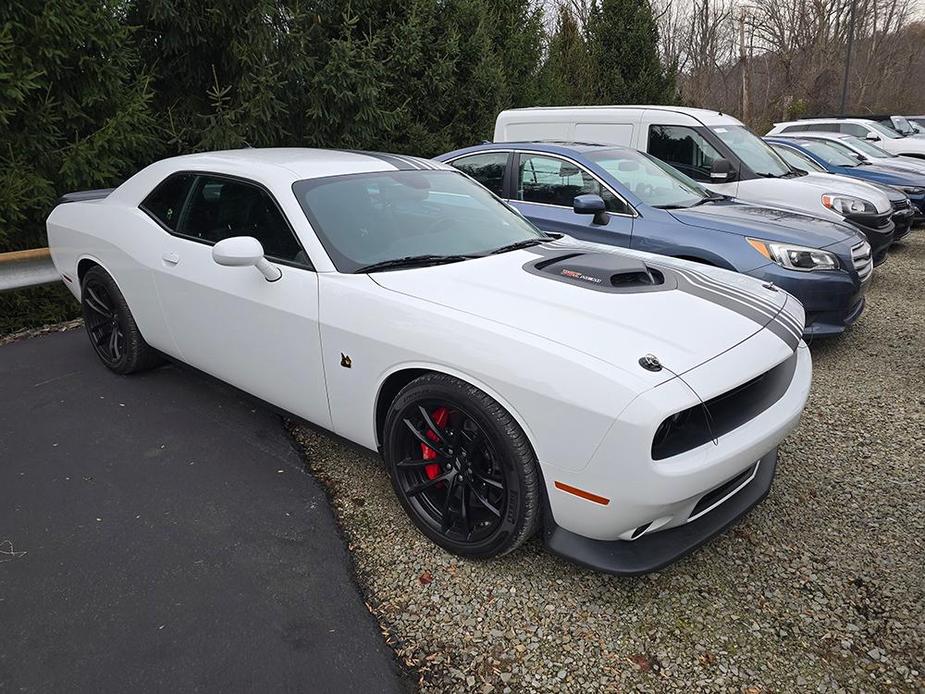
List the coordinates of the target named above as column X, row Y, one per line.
column 544, row 187
column 260, row 336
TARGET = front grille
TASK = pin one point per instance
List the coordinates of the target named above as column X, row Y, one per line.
column 863, row 262
column 872, row 222
column 695, row 426
column 901, row 205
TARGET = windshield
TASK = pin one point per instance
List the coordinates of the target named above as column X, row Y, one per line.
column 368, row 218
column 901, row 125
column 797, row 160
column 865, row 147
column 888, row 133
column 756, row 154
column 652, row 181
column 835, row 155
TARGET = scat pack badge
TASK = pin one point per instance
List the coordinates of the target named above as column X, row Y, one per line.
column 580, row 276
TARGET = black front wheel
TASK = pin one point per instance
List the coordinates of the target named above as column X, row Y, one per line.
column 110, row 326
column 461, row 467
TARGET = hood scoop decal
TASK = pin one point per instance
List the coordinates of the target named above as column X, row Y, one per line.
column 603, row 272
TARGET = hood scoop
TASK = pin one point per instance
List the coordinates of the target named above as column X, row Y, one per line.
column 603, row 272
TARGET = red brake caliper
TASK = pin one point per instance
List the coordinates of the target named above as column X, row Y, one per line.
column 439, row 416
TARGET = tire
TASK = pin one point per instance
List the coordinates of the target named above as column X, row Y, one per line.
column 461, row 467
column 112, row 330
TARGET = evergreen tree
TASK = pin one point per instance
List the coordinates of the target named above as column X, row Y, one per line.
column 567, row 75
column 74, row 108
column 623, row 44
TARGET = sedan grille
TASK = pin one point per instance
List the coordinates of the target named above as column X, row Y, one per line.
column 863, row 262
column 901, row 205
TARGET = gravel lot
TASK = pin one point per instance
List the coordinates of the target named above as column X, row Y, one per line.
column 821, row 587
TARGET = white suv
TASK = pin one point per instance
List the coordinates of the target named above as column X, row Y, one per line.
column 887, row 138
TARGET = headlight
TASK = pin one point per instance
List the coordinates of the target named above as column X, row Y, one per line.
column 912, row 190
column 847, row 204
column 795, row 257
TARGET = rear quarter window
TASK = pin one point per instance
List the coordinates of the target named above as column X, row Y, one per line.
column 165, row 203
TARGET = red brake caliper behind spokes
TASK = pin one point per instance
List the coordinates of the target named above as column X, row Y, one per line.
column 439, row 416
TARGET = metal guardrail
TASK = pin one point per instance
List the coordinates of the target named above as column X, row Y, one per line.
column 22, row 269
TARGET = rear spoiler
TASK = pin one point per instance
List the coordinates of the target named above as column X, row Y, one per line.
column 85, row 195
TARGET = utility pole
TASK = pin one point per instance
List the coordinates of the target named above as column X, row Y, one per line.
column 743, row 66
column 844, row 87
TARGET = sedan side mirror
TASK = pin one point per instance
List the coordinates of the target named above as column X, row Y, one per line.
column 591, row 204
column 721, row 171
column 244, row 251
column 872, row 137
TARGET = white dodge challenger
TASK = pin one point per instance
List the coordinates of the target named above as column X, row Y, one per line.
column 626, row 406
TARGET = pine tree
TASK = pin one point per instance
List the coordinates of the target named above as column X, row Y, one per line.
column 623, row 44
column 567, row 75
column 74, row 108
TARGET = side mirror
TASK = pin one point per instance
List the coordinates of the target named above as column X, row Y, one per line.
column 872, row 137
column 244, row 251
column 721, row 171
column 591, row 204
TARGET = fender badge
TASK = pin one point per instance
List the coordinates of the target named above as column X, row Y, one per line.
column 345, row 361
column 650, row 363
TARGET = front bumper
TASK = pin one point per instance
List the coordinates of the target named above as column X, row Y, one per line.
column 658, row 550
column 903, row 220
column 639, row 498
column 833, row 300
column 879, row 233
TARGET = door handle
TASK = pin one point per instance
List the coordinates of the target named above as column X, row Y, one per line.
column 170, row 258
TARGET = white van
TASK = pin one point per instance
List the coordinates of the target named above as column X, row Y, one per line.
column 711, row 147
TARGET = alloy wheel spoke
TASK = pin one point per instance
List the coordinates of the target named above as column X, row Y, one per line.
column 464, row 511
column 411, row 462
column 489, row 481
column 101, row 333
column 424, row 486
column 485, row 502
column 423, row 439
column 438, row 432
column 448, row 504
column 114, row 344
column 97, row 304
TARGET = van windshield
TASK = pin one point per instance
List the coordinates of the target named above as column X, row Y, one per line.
column 652, row 181
column 752, row 150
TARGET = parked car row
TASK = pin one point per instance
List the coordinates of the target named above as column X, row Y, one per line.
column 590, row 329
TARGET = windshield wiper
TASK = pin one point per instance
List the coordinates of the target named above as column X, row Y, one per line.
column 710, row 198
column 412, row 261
column 526, row 243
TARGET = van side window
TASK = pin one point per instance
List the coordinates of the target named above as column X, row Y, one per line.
column 684, row 148
column 554, row 181
column 487, row 168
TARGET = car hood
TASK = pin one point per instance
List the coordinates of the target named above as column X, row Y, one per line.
column 889, row 176
column 914, row 167
column 789, row 192
column 768, row 223
column 554, row 291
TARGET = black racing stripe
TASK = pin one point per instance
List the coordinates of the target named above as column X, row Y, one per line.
column 772, row 309
column 390, row 159
column 714, row 297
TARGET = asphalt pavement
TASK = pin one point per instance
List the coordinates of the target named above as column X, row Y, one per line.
column 158, row 532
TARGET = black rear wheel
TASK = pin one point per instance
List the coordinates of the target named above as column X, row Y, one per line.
column 109, row 323
column 461, row 467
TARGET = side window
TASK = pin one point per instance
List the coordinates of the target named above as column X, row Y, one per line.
column 853, row 129
column 554, row 181
column 486, row 168
column 166, row 201
column 220, row 208
column 684, row 148
column 795, row 129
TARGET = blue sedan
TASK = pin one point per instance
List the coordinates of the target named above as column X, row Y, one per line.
column 623, row 197
column 835, row 158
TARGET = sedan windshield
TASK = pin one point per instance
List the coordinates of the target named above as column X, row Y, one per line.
column 867, row 148
column 370, row 218
column 834, row 154
column 652, row 181
column 751, row 149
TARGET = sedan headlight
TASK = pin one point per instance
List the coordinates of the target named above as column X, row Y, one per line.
column 912, row 190
column 795, row 257
column 848, row 204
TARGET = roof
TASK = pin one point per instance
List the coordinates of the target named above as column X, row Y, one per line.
column 550, row 146
column 706, row 116
column 302, row 162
